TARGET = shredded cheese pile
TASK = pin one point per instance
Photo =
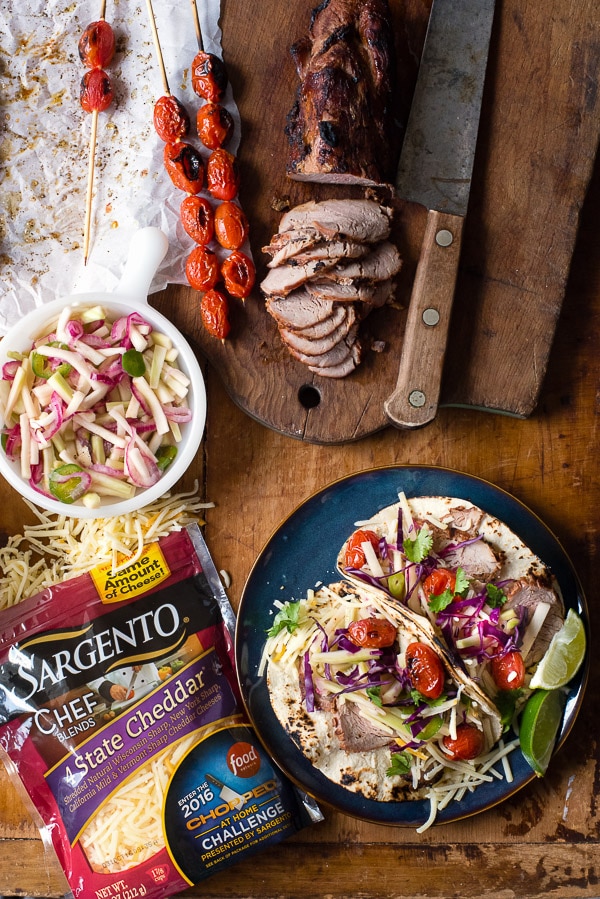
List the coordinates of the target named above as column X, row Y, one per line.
column 61, row 547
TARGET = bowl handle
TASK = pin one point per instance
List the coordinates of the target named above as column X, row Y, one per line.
column 147, row 250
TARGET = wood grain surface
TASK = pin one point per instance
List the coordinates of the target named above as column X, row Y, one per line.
column 545, row 840
column 537, row 142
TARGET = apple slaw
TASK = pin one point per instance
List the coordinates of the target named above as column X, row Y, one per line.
column 95, row 407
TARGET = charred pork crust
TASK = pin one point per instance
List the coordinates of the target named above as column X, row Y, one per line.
column 342, row 127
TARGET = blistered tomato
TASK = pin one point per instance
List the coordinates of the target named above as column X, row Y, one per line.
column 222, row 175
column 171, row 120
column 425, row 669
column 209, row 76
column 231, row 225
column 239, row 274
column 372, row 633
column 197, row 218
column 508, row 671
column 97, row 45
column 185, row 167
column 215, row 125
column 214, row 311
column 96, row 91
column 202, row 268
column 467, row 744
column 440, row 580
column 355, row 554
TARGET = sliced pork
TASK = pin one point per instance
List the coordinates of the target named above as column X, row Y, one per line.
column 526, row 594
column 363, row 220
column 354, row 732
column 380, row 265
column 342, row 128
column 300, row 309
column 312, row 344
column 332, row 263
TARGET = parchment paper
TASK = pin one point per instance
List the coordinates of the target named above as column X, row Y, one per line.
column 45, row 137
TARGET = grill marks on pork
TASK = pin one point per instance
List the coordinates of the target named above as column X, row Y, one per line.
column 342, row 128
column 331, row 265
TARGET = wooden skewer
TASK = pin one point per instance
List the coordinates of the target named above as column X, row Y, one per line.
column 91, row 167
column 90, row 187
column 161, row 63
column 197, row 24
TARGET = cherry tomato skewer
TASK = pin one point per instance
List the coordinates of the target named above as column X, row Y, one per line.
column 96, row 49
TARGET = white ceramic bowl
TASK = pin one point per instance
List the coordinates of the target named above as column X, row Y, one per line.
column 146, row 252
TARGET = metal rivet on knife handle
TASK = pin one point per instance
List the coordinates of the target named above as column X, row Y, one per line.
column 443, row 238
column 417, row 398
column 431, row 317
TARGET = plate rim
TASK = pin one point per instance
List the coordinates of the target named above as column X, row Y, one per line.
column 356, row 799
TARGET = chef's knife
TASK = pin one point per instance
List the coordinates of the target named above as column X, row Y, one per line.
column 435, row 169
column 234, row 798
column 134, row 676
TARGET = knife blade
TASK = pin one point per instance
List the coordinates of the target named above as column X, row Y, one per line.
column 435, row 169
column 229, row 795
column 134, row 676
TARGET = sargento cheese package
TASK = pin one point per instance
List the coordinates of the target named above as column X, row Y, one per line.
column 121, row 720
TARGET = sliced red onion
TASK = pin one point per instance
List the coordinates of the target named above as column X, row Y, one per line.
column 9, row 370
column 73, row 330
column 140, row 466
column 180, row 414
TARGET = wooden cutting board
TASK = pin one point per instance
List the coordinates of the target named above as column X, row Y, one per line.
column 537, row 143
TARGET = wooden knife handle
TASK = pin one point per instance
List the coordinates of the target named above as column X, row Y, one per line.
column 414, row 402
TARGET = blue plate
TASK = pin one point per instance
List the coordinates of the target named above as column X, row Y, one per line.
column 302, row 554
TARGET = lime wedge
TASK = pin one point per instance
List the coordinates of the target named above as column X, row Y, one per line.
column 539, row 726
column 563, row 657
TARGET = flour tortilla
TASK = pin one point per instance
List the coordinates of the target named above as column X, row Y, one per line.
column 519, row 560
column 314, row 733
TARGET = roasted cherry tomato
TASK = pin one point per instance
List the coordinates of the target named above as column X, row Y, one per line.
column 239, row 274
column 97, row 45
column 355, row 554
column 214, row 310
column 215, row 125
column 171, row 120
column 202, row 268
column 197, row 218
column 96, row 91
column 508, row 671
column 209, row 76
column 440, row 580
column 425, row 669
column 467, row 744
column 372, row 633
column 231, row 225
column 222, row 175
column 185, row 167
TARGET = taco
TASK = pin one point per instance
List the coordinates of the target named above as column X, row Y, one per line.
column 371, row 697
column 492, row 600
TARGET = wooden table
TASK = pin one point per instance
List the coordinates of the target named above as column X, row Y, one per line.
column 544, row 841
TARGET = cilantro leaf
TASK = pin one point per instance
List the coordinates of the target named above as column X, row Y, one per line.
column 506, row 702
column 400, row 764
column 418, row 547
column 462, row 582
column 374, row 694
column 438, row 602
column 287, row 617
column 419, row 699
column 495, row 596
